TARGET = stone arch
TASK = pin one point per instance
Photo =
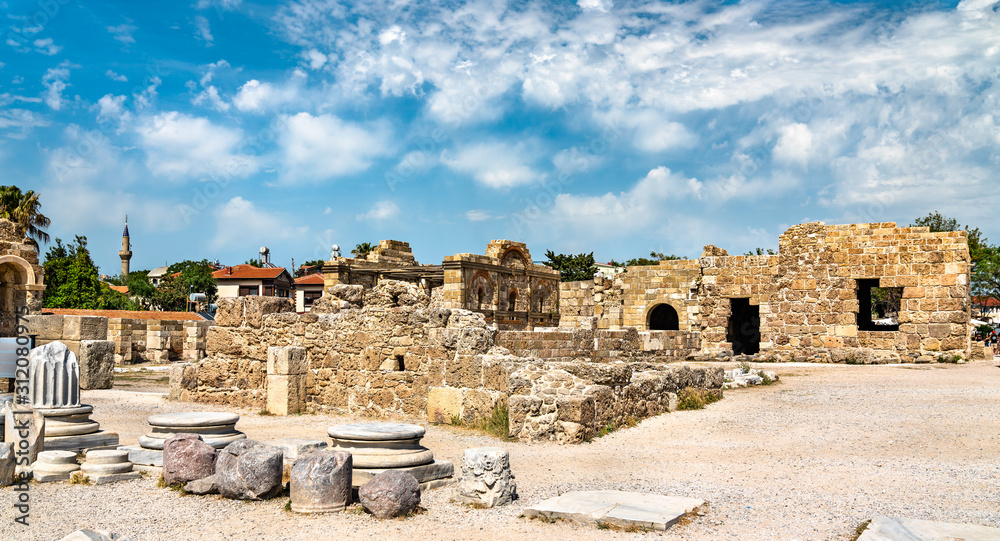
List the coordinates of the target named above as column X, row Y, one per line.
column 479, row 295
column 512, row 299
column 26, row 271
column 514, row 258
column 542, row 298
column 16, row 277
column 662, row 317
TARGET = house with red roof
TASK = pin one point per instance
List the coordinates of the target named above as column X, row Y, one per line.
column 308, row 290
column 243, row 280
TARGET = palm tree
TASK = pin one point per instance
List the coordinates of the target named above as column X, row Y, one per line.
column 361, row 250
column 23, row 209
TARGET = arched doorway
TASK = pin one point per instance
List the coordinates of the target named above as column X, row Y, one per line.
column 16, row 277
column 664, row 318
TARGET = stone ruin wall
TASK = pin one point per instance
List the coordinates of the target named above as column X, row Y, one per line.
column 21, row 276
column 388, row 351
column 807, row 295
column 134, row 340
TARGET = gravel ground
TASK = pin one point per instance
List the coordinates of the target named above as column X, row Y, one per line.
column 809, row 458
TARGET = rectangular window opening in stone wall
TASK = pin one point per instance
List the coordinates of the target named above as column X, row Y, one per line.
column 878, row 307
column 743, row 331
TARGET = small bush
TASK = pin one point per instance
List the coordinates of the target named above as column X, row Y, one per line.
column 745, row 367
column 860, row 530
column 765, row 379
column 497, row 424
column 693, row 398
column 79, row 479
column 161, row 482
column 456, row 420
column 288, row 506
column 264, row 413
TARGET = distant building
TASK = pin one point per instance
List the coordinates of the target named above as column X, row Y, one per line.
column 608, row 270
column 244, row 280
column 308, row 290
column 156, row 275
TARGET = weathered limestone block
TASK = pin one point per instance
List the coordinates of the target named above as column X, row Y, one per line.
column 353, row 294
column 53, row 377
column 390, row 494
column 7, row 463
column 24, row 427
column 187, row 458
column 256, row 307
column 249, row 470
column 321, row 482
column 286, row 361
column 286, row 394
column 85, row 328
column 46, row 328
column 97, row 364
column 486, row 478
column 183, row 380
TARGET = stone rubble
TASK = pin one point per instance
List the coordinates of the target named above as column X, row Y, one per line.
column 186, row 457
column 249, row 470
column 390, row 494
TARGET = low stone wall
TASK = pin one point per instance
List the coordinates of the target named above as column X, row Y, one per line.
column 599, row 345
column 135, row 339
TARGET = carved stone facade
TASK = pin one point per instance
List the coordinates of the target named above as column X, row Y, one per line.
column 21, row 276
column 813, row 299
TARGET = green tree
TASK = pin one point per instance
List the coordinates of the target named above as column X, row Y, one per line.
column 362, row 250
column 71, row 279
column 572, row 267
column 25, row 210
column 653, row 259
column 196, row 277
column 172, row 294
column 299, row 272
column 761, row 251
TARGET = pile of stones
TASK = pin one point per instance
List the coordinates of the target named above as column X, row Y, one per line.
column 744, row 377
column 216, row 429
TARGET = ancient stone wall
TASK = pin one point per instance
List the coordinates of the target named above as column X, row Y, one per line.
column 809, row 302
column 388, row 351
column 563, row 344
column 135, row 339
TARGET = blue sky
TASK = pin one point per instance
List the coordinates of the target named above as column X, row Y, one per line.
column 219, row 126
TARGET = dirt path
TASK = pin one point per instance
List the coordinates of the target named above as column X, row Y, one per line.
column 809, row 458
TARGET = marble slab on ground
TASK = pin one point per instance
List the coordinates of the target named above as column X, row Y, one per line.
column 140, row 455
column 618, row 508
column 909, row 529
column 81, row 442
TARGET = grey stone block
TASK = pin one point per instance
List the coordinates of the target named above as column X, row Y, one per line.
column 97, row 364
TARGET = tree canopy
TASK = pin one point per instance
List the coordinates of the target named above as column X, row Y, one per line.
column 573, row 267
column 71, row 280
column 653, row 259
column 362, row 250
column 25, row 210
column 299, row 272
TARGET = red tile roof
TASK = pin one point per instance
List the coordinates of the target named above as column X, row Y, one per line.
column 310, row 279
column 247, row 272
column 990, row 301
column 171, row 316
column 120, row 289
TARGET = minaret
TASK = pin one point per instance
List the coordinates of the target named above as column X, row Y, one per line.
column 126, row 252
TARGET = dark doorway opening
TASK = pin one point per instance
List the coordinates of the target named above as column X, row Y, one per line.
column 663, row 318
column 878, row 307
column 743, row 331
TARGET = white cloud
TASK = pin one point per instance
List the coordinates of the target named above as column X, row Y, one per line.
column 599, row 5
column 210, row 95
column 227, row 5
column 178, row 145
column 795, row 143
column 240, row 222
column 145, row 98
column 316, row 59
column 478, row 215
column 111, row 109
column 258, row 97
column 116, row 76
column 636, row 211
column 380, row 211
column 46, row 46
column 55, row 82
column 204, row 30
column 316, row 148
column 493, row 164
column 123, row 33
